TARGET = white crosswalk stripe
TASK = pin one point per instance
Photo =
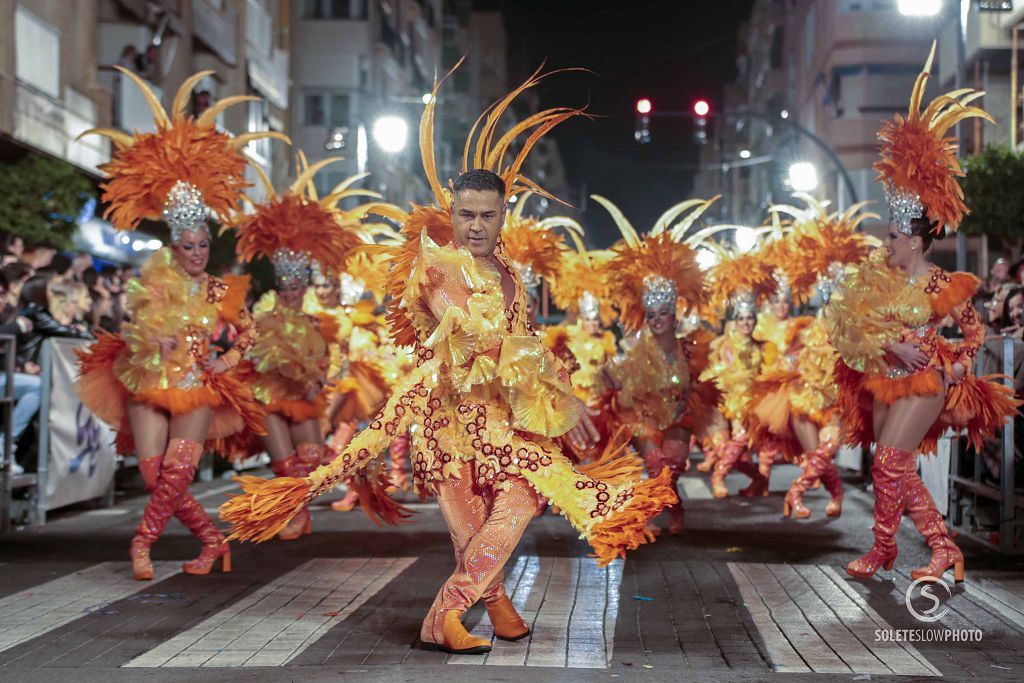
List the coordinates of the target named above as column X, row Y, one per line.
column 811, row 620
column 695, row 488
column 31, row 613
column 571, row 606
column 279, row 621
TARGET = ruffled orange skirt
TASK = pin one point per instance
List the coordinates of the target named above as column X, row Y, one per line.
column 299, row 410
column 102, row 392
column 772, row 410
column 976, row 406
column 364, row 392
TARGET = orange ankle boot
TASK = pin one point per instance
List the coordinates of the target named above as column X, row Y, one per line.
column 508, row 625
column 456, row 640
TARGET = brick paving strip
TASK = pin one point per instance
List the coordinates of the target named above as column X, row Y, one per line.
column 811, row 620
column 34, row 612
column 280, row 620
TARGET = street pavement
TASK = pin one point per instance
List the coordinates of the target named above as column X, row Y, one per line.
column 742, row 595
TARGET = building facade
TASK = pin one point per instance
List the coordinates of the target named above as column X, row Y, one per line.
column 57, row 78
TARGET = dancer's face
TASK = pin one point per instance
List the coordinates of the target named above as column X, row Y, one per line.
column 477, row 217
column 592, row 325
column 327, row 292
column 661, row 319
column 745, row 323
column 779, row 305
column 901, row 248
column 291, row 292
column 193, row 251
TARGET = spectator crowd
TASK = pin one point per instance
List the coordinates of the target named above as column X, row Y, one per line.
column 46, row 293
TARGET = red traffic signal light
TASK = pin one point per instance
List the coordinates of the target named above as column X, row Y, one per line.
column 701, row 108
column 643, row 106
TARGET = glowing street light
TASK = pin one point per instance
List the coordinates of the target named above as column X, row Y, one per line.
column 706, row 259
column 643, row 106
column 744, row 154
column 701, row 108
column 803, row 177
column 919, row 8
column 390, row 133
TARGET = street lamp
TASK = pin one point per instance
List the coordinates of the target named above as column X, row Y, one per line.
column 390, row 133
column 706, row 259
column 745, row 239
column 803, row 177
column 919, row 8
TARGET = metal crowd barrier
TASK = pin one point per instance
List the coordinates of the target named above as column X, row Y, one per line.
column 10, row 482
column 965, row 493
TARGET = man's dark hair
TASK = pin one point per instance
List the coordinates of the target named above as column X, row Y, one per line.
column 481, row 180
column 90, row 277
column 16, row 271
column 61, row 264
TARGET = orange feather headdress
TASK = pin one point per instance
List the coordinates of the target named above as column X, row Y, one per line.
column 741, row 279
column 502, row 154
column 182, row 172
column 658, row 268
column 818, row 242
column 919, row 165
column 535, row 248
column 294, row 228
column 581, row 284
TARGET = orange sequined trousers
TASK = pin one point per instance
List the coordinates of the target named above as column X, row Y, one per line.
column 484, row 534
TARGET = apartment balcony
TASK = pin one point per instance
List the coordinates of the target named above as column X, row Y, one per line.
column 51, row 124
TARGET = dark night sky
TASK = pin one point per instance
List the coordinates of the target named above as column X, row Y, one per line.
column 673, row 52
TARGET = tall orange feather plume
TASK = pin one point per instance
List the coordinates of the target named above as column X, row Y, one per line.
column 492, row 152
column 297, row 221
column 660, row 253
column 145, row 166
column 917, row 155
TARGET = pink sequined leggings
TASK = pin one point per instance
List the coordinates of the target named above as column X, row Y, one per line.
column 484, row 534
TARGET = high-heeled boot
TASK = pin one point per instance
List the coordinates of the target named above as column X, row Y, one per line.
column 766, row 457
column 290, row 467
column 758, row 485
column 307, row 458
column 676, row 455
column 192, row 515
column 887, row 471
column 829, row 476
column 399, row 452
column 177, row 470
column 926, row 517
column 794, row 503
column 728, row 455
column 654, row 461
column 710, row 446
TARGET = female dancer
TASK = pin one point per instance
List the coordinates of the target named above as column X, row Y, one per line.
column 655, row 390
column 902, row 385
column 792, row 410
column 161, row 385
column 290, row 355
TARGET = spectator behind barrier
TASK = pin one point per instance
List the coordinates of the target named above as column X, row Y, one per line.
column 35, row 303
column 26, row 387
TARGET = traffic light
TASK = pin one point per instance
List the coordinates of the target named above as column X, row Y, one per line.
column 701, row 109
column 643, row 121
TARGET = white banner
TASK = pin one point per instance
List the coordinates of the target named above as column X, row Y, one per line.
column 81, row 459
